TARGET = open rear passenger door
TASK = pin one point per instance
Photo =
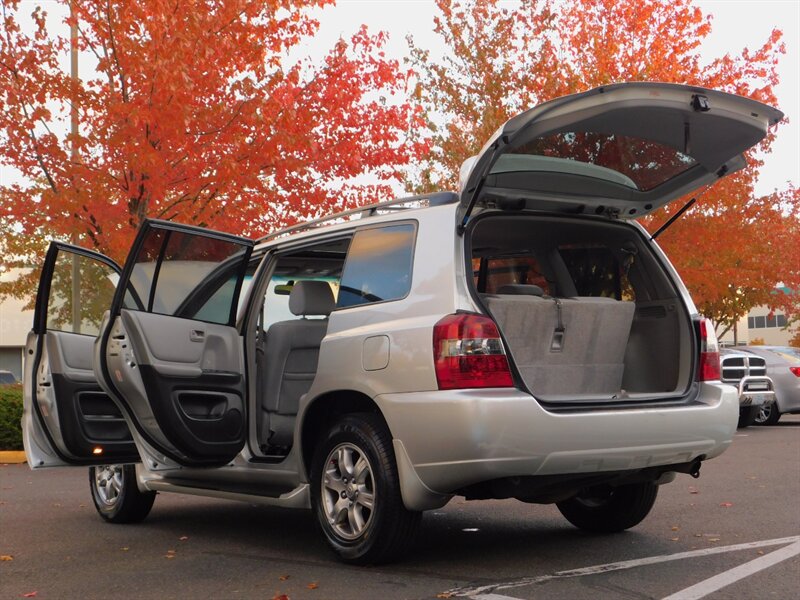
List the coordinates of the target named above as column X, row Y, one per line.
column 68, row 419
column 171, row 353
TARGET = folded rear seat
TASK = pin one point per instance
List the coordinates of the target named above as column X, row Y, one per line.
column 588, row 358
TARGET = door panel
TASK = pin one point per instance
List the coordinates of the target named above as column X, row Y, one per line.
column 186, row 390
column 68, row 419
column 175, row 358
column 73, row 404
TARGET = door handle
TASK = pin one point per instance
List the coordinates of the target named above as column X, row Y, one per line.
column 197, row 335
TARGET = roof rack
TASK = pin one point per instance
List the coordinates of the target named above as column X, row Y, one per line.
column 435, row 199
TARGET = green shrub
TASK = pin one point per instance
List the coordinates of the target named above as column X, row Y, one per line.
column 10, row 417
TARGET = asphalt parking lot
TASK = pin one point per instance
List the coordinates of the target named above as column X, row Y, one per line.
column 733, row 533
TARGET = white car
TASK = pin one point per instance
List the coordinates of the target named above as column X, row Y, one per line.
column 521, row 338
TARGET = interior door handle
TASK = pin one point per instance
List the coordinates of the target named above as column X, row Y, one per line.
column 197, row 335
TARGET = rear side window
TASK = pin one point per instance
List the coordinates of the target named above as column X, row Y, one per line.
column 378, row 266
column 186, row 275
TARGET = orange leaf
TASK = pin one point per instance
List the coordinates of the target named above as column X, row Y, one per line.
column 312, row 586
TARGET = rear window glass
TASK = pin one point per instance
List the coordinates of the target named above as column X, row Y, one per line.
column 633, row 162
column 378, row 266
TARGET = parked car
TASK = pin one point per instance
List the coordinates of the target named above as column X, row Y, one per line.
column 783, row 367
column 749, row 374
column 523, row 338
column 7, row 377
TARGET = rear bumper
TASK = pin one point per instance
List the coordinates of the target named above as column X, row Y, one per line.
column 446, row 440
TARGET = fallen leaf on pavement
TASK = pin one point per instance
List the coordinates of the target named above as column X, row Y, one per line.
column 713, row 539
column 675, row 528
column 29, row 595
column 312, row 586
column 726, row 504
column 283, row 577
column 183, row 538
column 6, row 557
column 761, row 552
column 674, row 539
column 124, row 548
column 280, row 597
column 444, row 595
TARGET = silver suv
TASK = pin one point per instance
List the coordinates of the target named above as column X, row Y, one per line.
column 522, row 338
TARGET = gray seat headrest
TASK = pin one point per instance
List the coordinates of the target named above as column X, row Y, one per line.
column 519, row 289
column 311, row 298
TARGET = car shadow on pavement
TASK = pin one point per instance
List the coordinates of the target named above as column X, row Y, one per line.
column 467, row 538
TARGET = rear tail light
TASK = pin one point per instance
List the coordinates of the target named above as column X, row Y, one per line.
column 795, row 371
column 468, row 353
column 708, row 367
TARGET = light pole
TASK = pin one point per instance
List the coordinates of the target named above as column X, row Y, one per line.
column 73, row 55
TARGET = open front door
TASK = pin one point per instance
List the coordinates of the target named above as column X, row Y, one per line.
column 68, row 419
column 171, row 353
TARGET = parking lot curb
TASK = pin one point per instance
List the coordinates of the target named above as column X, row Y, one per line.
column 12, row 457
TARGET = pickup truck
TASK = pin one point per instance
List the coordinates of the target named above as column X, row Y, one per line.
column 748, row 373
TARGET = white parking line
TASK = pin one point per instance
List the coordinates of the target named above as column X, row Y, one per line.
column 712, row 584
column 474, row 591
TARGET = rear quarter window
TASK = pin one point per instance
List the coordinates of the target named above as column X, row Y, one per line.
column 378, row 265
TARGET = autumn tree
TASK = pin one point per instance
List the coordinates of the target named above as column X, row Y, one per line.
column 734, row 247
column 190, row 112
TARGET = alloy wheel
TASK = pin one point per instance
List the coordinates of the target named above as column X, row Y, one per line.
column 108, row 482
column 764, row 413
column 348, row 491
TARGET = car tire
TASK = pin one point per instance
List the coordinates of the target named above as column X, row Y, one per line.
column 768, row 414
column 355, row 492
column 606, row 509
column 747, row 416
column 116, row 494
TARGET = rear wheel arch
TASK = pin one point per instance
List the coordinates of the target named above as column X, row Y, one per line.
column 325, row 410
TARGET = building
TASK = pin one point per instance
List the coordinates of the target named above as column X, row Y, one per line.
column 758, row 325
column 15, row 323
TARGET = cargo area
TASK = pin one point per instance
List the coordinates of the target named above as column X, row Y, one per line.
column 586, row 310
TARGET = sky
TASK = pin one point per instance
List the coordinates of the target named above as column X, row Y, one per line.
column 736, row 24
